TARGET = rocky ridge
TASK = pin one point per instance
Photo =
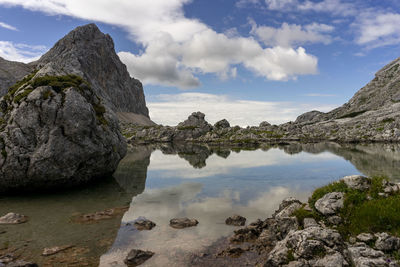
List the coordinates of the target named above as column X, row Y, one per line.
column 371, row 115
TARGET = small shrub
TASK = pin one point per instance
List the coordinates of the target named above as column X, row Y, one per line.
column 58, row 82
column 20, row 96
column 302, row 213
column 290, row 256
column 388, row 120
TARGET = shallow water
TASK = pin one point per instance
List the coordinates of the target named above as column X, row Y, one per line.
column 163, row 182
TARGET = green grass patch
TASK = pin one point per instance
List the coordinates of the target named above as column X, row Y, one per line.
column 100, row 110
column 352, row 114
column 58, row 83
column 13, row 89
column 302, row 213
column 22, row 95
column 380, row 129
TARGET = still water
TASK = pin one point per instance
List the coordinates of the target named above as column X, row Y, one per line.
column 168, row 181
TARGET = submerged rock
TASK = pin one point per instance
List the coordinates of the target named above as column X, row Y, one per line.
column 236, row 220
column 180, row 223
column 13, row 218
column 330, row 204
column 137, row 257
column 54, row 250
column 144, row 224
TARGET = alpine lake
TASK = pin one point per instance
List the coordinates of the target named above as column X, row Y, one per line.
column 160, row 182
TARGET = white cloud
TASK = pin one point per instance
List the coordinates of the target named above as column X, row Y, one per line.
column 292, row 34
column 176, row 47
column 174, row 108
column 378, row 29
column 7, row 26
column 335, row 7
column 20, row 52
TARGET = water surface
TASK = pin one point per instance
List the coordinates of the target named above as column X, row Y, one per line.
column 167, row 181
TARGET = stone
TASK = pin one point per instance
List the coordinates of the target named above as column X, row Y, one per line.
column 222, row 124
column 144, row 224
column 287, row 207
column 309, row 222
column 264, row 124
column 180, row 223
column 365, row 237
column 386, row 242
column 137, row 257
column 13, row 218
column 310, row 117
column 332, row 260
column 362, row 255
column 236, row 220
column 54, row 250
column 330, row 203
column 358, row 182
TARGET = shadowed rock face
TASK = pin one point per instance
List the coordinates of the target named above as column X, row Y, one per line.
column 89, row 53
column 10, row 73
column 56, row 139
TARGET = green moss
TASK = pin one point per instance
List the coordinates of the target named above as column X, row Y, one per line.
column 352, row 114
column 388, row 120
column 58, row 83
column 302, row 213
column 4, row 153
column 380, row 129
column 47, row 94
column 290, row 256
column 100, row 110
column 20, row 96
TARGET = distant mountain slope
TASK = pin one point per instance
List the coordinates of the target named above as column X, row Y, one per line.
column 11, row 72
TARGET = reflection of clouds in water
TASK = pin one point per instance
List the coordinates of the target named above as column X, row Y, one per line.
column 173, row 247
column 174, row 166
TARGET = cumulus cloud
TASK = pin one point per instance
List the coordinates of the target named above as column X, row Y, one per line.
column 7, row 26
column 177, row 48
column 20, row 52
column 170, row 109
column 289, row 35
column 376, row 30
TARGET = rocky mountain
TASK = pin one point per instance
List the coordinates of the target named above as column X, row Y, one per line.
column 90, row 54
column 11, row 72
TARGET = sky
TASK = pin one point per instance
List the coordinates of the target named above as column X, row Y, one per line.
column 244, row 60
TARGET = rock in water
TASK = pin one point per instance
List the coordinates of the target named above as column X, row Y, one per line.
column 137, row 257
column 236, row 220
column 56, row 132
column 144, row 224
column 13, row 218
column 180, row 223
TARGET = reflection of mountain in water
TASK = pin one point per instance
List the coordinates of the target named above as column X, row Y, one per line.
column 132, row 170
column 370, row 159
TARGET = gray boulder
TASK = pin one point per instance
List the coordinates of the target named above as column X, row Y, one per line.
column 358, row 182
column 330, row 204
column 222, row 124
column 310, row 117
column 56, row 137
column 386, row 242
column 362, row 256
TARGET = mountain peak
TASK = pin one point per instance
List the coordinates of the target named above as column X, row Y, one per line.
column 89, row 53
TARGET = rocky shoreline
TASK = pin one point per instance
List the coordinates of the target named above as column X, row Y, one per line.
column 315, row 234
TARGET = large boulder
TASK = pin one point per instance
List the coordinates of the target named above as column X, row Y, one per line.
column 330, row 203
column 56, row 136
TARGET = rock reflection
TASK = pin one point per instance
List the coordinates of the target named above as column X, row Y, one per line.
column 51, row 217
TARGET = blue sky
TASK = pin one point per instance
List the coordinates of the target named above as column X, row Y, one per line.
column 244, row 60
